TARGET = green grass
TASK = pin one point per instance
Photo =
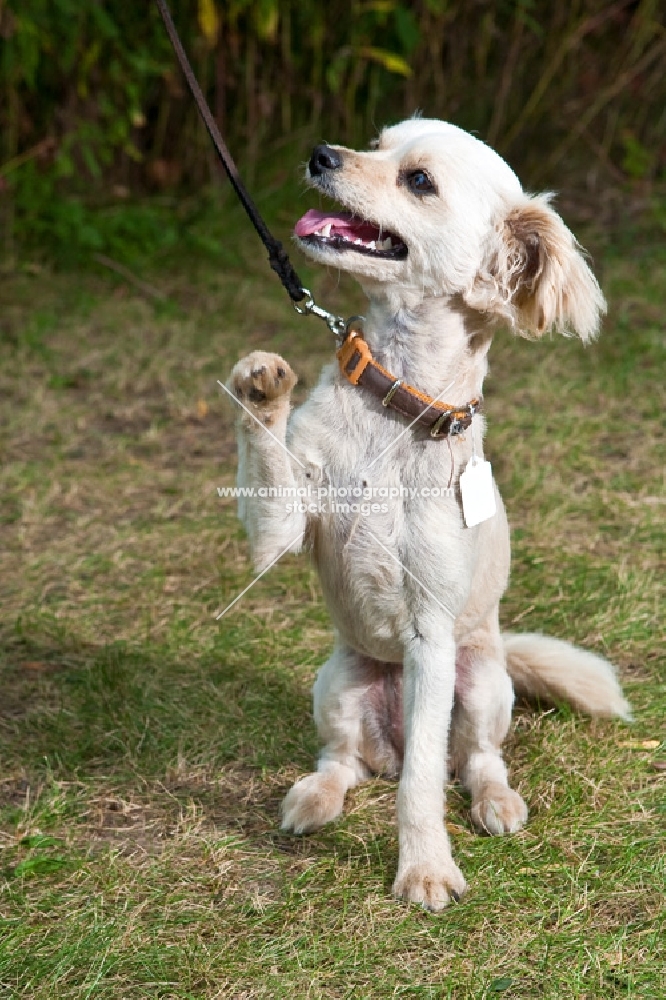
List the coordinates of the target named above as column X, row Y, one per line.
column 145, row 747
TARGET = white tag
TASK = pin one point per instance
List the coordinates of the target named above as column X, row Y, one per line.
column 478, row 494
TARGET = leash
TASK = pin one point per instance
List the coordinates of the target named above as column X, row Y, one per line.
column 356, row 362
column 277, row 255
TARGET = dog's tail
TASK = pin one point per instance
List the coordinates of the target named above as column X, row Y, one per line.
column 557, row 671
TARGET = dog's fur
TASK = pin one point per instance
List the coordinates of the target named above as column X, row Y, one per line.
column 481, row 254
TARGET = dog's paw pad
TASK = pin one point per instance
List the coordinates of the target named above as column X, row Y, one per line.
column 430, row 885
column 261, row 379
column 313, row 801
column 499, row 810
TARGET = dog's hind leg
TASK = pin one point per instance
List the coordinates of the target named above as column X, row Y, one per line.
column 481, row 719
column 346, row 696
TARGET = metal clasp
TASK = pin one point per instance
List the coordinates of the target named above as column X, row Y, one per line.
column 336, row 324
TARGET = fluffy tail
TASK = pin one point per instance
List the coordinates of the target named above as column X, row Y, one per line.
column 557, row 671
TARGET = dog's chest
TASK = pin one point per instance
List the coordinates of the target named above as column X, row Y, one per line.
column 384, row 517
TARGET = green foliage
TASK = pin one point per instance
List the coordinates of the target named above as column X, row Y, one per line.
column 92, row 104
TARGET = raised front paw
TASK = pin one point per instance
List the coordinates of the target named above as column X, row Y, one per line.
column 431, row 883
column 262, row 382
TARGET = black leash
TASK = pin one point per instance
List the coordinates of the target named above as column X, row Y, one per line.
column 346, row 330
column 277, row 255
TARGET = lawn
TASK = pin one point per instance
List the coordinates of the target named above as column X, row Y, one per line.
column 145, row 746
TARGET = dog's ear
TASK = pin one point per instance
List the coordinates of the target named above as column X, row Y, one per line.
column 535, row 275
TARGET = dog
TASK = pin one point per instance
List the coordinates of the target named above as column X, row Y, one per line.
column 447, row 248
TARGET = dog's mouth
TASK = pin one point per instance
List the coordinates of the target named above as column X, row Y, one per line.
column 342, row 231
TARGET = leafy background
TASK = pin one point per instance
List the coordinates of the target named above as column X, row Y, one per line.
column 93, row 109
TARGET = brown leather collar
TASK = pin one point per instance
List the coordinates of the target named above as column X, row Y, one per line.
column 360, row 368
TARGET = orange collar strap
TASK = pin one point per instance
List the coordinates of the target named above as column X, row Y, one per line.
column 360, row 368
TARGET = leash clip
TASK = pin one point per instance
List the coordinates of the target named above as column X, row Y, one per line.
column 336, row 324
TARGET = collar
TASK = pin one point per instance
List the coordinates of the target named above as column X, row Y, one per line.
column 360, row 368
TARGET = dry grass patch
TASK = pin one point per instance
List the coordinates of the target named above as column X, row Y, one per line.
column 144, row 747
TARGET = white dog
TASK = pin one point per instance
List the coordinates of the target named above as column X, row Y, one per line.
column 447, row 247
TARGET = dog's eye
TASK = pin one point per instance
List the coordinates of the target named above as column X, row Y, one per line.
column 419, row 182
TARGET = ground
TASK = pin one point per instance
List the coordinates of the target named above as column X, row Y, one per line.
column 145, row 747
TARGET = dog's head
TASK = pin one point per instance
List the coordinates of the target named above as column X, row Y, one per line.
column 433, row 211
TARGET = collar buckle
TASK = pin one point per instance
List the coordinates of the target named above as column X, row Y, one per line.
column 354, row 357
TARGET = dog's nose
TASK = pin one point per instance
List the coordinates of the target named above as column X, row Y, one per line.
column 324, row 158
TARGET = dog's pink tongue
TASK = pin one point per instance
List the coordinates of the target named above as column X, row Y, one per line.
column 342, row 224
column 313, row 221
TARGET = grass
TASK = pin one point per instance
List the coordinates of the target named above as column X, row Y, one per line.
column 144, row 747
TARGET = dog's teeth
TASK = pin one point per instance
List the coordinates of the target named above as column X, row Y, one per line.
column 388, row 243
column 359, row 243
column 372, row 245
column 326, row 231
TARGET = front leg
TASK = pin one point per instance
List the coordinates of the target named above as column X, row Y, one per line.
column 427, row 873
column 262, row 384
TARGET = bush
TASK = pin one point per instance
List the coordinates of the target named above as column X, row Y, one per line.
column 92, row 103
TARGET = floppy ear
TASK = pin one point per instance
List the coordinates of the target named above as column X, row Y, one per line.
column 535, row 275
